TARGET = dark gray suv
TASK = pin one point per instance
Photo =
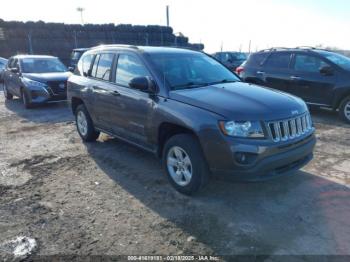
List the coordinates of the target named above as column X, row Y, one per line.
column 192, row 112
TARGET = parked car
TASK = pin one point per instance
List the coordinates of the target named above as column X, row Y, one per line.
column 320, row 77
column 75, row 56
column 35, row 79
column 3, row 63
column 231, row 59
column 190, row 111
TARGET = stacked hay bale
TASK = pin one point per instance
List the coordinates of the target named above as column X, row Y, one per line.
column 59, row 39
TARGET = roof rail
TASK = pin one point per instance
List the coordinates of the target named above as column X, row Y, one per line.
column 274, row 49
column 115, row 45
column 305, row 47
column 311, row 48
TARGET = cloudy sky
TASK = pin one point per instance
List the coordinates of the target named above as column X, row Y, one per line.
column 233, row 23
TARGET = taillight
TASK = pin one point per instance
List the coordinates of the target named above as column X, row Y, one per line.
column 239, row 70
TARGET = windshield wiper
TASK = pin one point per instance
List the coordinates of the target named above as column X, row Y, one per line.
column 224, row 81
column 190, row 85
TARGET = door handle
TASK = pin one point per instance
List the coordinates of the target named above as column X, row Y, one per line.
column 115, row 93
column 295, row 78
column 260, row 72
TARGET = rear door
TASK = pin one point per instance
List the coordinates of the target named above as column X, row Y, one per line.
column 275, row 72
column 13, row 79
column 16, row 78
column 252, row 68
column 102, row 91
column 307, row 82
column 7, row 73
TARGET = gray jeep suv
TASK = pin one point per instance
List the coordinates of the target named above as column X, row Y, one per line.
column 190, row 111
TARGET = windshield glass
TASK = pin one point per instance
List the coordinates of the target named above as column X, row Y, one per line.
column 42, row 65
column 340, row 60
column 189, row 70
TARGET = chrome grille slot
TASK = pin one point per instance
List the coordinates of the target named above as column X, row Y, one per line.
column 286, row 129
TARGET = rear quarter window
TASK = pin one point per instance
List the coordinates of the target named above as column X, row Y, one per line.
column 256, row 59
column 85, row 64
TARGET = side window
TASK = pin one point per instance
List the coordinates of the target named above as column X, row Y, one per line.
column 9, row 63
column 129, row 67
column 256, row 59
column 15, row 64
column 307, row 63
column 86, row 63
column 94, row 67
column 278, row 61
column 104, row 66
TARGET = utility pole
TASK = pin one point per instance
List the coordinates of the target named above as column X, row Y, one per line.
column 167, row 16
column 222, row 46
column 250, row 43
column 81, row 10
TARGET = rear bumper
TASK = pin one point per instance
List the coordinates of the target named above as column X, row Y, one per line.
column 285, row 162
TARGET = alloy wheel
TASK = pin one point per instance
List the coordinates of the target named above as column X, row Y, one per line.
column 179, row 166
column 82, row 123
column 347, row 110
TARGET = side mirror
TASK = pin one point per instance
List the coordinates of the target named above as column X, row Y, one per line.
column 326, row 70
column 144, row 84
column 14, row 70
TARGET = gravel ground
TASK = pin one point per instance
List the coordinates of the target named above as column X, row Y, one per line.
column 109, row 198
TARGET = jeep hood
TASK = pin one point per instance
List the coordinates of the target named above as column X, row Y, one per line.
column 241, row 101
column 45, row 77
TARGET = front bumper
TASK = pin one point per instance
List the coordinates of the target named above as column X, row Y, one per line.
column 269, row 161
column 39, row 96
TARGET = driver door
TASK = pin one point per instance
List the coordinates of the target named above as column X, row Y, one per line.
column 133, row 117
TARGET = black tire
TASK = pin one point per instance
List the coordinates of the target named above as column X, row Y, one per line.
column 25, row 99
column 200, row 170
column 91, row 134
column 345, row 107
column 7, row 94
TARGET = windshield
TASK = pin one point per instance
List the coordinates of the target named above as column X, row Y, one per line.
column 340, row 60
column 42, row 65
column 189, row 70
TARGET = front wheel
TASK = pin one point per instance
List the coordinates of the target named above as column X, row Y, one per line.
column 344, row 109
column 25, row 99
column 185, row 164
column 7, row 95
column 84, row 124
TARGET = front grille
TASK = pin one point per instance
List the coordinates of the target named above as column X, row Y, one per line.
column 287, row 129
column 55, row 87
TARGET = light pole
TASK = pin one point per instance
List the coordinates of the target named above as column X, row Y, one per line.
column 81, row 10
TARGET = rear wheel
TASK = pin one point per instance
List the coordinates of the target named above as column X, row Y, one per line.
column 7, row 94
column 344, row 109
column 25, row 99
column 185, row 164
column 84, row 124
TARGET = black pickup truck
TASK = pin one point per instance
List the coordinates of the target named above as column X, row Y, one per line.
column 190, row 111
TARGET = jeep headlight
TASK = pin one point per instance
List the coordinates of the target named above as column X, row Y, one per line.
column 31, row 83
column 250, row 129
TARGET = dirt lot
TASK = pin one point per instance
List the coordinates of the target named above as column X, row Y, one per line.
column 111, row 198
